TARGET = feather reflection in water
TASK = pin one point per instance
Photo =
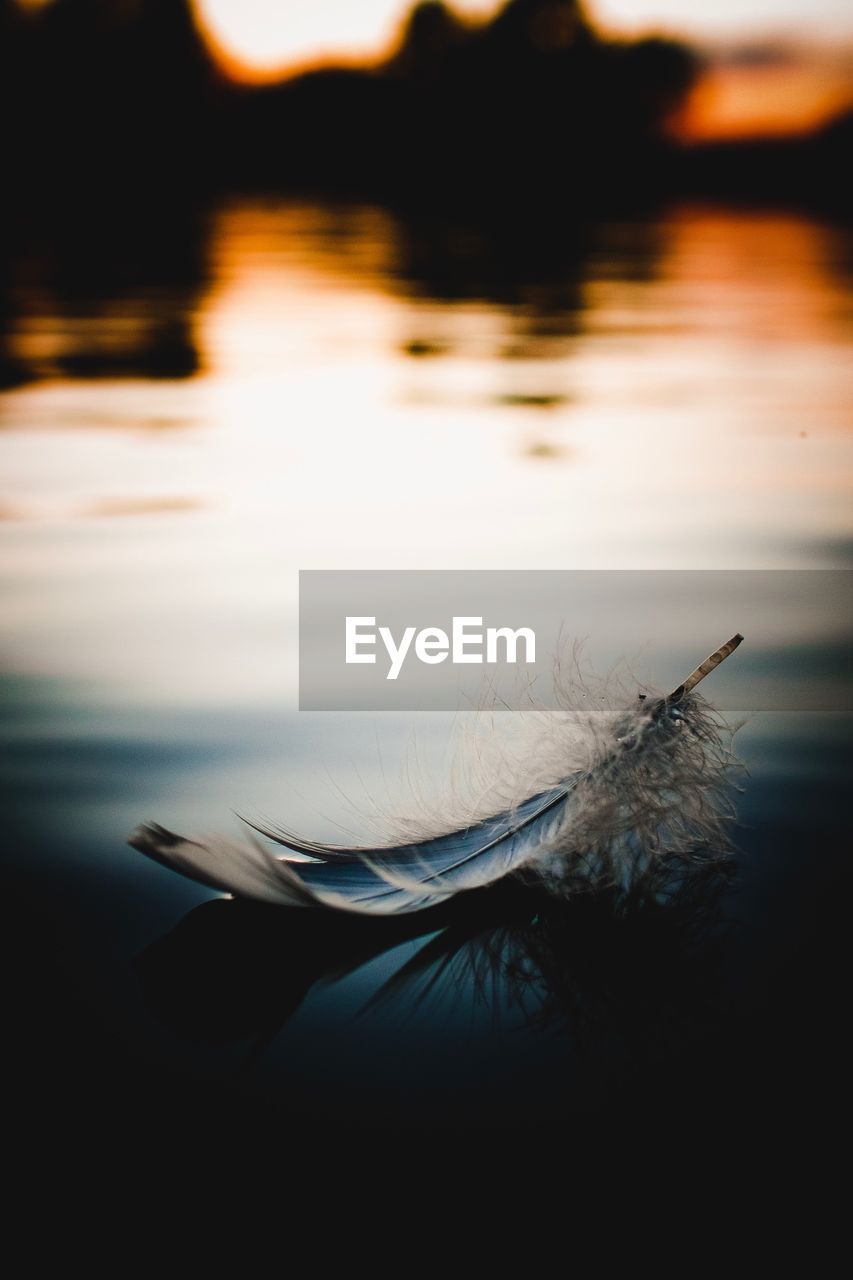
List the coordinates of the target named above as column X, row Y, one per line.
column 640, row 968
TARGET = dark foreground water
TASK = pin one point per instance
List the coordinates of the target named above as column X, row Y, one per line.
column 138, row 1002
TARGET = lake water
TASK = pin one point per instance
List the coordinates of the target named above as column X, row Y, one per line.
column 312, row 386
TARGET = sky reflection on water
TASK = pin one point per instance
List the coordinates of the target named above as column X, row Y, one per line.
column 668, row 395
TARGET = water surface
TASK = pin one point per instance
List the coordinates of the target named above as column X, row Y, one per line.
column 305, row 386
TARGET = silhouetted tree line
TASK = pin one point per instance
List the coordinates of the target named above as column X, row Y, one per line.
column 534, row 102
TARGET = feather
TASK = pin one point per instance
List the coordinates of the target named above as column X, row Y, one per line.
column 648, row 784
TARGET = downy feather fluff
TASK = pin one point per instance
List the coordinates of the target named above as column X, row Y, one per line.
column 634, row 788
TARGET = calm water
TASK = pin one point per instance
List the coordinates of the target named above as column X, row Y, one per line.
column 317, row 387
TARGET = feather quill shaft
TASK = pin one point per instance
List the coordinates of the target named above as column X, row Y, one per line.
column 705, row 668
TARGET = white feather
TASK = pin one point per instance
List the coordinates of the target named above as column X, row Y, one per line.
column 619, row 796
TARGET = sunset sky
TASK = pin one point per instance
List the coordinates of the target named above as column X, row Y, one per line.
column 774, row 65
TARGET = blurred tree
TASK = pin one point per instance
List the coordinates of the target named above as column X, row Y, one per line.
column 530, row 105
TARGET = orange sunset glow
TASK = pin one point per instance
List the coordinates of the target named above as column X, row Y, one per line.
column 795, row 95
